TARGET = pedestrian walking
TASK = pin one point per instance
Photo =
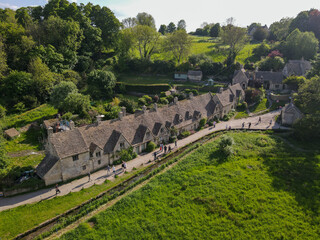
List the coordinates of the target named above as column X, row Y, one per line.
column 155, row 155
column 270, row 121
column 175, row 143
column 89, row 177
column 165, row 149
column 243, row 124
column 125, row 165
column 161, row 147
column 259, row 120
column 229, row 128
column 108, row 168
column 214, row 124
column 249, row 125
column 57, row 189
column 114, row 169
column 169, row 150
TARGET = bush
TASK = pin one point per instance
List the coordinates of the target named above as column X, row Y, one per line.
column 202, row 122
column 172, row 139
column 142, row 101
column 163, row 95
column 184, row 134
column 225, row 141
column 67, row 116
column 151, row 146
column 170, row 98
column 30, row 101
column 128, row 104
column 3, row 111
column 163, row 101
column 228, row 151
column 19, row 107
column 148, row 99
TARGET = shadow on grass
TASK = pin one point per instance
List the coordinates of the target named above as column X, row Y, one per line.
column 297, row 173
column 33, row 137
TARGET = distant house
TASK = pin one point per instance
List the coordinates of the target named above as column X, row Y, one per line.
column 195, row 75
column 11, row 133
column 290, row 114
column 296, row 68
column 240, row 77
column 251, row 33
column 270, row 80
column 181, row 76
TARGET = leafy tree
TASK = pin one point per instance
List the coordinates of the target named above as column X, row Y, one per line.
column 151, row 146
column 215, row 30
column 252, row 26
column 314, row 22
column 261, row 51
column 126, row 42
column 236, row 38
column 179, row 44
column 129, row 22
column 3, row 111
column 71, row 76
column 128, row 104
column 300, row 22
column 146, row 19
column 268, row 64
column 146, row 40
column 280, row 30
column 171, row 27
column 260, row 34
column 315, row 71
column 3, row 59
column 294, row 82
column 182, row 25
column 301, row 44
column 76, row 103
column 163, row 29
column 60, row 92
column 101, row 83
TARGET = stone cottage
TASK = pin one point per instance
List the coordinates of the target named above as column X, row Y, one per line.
column 296, row 68
column 84, row 149
column 195, row 75
column 240, row 77
column 290, row 114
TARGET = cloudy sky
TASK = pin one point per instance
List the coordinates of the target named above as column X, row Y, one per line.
column 195, row 12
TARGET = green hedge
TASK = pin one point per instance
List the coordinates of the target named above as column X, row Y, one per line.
column 148, row 89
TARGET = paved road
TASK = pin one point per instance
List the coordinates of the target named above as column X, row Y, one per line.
column 100, row 176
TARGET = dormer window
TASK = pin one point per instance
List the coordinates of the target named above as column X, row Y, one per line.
column 75, row 157
column 122, row 145
column 98, row 154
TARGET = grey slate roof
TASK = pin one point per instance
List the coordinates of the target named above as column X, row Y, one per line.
column 239, row 77
column 46, row 164
column 224, row 97
column 236, row 90
column 297, row 68
column 274, row 77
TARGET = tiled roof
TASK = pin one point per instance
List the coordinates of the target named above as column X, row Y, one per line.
column 274, row 77
column 12, row 132
column 239, row 77
column 297, row 68
column 46, row 164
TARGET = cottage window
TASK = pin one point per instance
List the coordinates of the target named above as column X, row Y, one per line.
column 84, row 167
column 75, row 157
column 99, row 162
column 91, row 154
column 277, row 86
column 161, row 130
column 122, row 145
column 98, row 154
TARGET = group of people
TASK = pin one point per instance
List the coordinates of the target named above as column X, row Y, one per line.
column 165, row 149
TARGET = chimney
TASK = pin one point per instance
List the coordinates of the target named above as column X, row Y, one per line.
column 175, row 100
column 50, row 131
column 155, row 106
column 221, row 90
column 144, row 108
column 120, row 114
column 71, row 124
column 99, row 118
column 190, row 95
column 124, row 111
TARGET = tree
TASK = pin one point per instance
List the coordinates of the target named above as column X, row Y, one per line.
column 215, row 30
column 3, row 59
column 294, row 82
column 129, row 22
column 271, row 64
column 253, row 26
column 101, row 83
column 260, row 34
column 128, row 104
column 301, row 22
column 146, row 40
column 60, row 92
column 179, row 44
column 171, row 27
column 315, row 70
column 146, row 19
column 261, row 51
column 163, row 29
column 76, row 103
column 301, row 44
column 3, row 111
column 126, row 41
column 280, row 30
column 182, row 25
column 23, row 17
column 236, row 38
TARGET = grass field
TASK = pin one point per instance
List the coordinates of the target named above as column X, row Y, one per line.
column 23, row 218
column 242, row 114
column 267, row 190
column 262, row 105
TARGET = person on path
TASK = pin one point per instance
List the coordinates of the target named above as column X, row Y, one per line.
column 249, row 125
column 114, row 169
column 169, row 150
column 229, row 128
column 214, row 124
column 108, row 168
column 155, row 155
column 243, row 124
column 89, row 176
column 259, row 120
column 270, row 121
column 175, row 143
column 160, row 147
column 165, row 149
column 57, row 189
column 125, row 165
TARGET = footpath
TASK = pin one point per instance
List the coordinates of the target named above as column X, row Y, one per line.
column 142, row 160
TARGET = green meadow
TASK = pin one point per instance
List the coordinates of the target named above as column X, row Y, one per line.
column 266, row 190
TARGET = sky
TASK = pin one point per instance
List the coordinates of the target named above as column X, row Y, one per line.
column 195, row 12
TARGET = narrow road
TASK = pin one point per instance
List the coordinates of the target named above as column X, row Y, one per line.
column 100, row 176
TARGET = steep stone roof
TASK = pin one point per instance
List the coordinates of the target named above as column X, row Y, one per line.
column 291, row 108
column 224, row 97
column 274, row 77
column 236, row 90
column 297, row 68
column 46, row 164
column 240, row 77
column 11, row 133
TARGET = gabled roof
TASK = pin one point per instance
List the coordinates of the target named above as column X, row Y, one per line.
column 274, row 77
column 240, row 77
column 235, row 89
column 224, row 97
column 11, row 133
column 297, row 68
column 195, row 73
column 46, row 164
column 291, row 108
column 139, row 135
column 112, row 141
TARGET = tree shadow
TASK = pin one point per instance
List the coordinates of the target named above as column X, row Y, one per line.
column 295, row 172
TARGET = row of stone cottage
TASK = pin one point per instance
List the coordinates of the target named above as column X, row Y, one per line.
column 82, row 149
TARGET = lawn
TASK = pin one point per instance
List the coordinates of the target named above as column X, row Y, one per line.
column 267, row 190
column 20, row 219
column 146, row 80
column 258, row 107
column 242, row 114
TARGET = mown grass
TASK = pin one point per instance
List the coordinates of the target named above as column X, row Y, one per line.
column 242, row 114
column 148, row 80
column 267, row 190
column 262, row 105
column 20, row 219
column 19, row 120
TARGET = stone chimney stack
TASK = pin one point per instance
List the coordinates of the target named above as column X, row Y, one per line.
column 124, row 111
column 144, row 108
column 50, row 131
column 221, row 90
column 175, row 100
column 99, row 118
column 71, row 123
column 190, row 95
column 155, row 106
column 120, row 114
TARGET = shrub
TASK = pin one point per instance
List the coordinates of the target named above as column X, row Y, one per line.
column 225, row 141
column 19, row 107
column 170, row 98
column 163, row 101
column 148, row 99
column 67, row 116
column 151, row 146
column 202, row 122
column 163, row 95
column 228, row 151
column 172, row 139
column 142, row 101
column 184, row 134
column 3, row 111
column 128, row 104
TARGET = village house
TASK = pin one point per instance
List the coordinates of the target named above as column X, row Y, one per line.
column 270, row 80
column 195, row 75
column 181, row 76
column 84, row 149
column 240, row 76
column 296, row 68
column 290, row 114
